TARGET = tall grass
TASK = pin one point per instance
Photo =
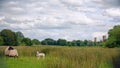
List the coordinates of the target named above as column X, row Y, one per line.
column 62, row 57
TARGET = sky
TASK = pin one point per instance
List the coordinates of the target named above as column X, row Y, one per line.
column 66, row 19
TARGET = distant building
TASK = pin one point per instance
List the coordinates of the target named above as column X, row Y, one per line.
column 104, row 38
column 95, row 39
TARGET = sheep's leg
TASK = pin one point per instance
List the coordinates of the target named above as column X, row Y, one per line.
column 14, row 57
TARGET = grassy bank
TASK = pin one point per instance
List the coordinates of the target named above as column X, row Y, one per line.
column 62, row 57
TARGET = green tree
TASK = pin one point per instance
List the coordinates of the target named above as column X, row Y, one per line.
column 113, row 37
column 20, row 36
column 43, row 42
column 74, row 43
column 69, row 43
column 1, row 41
column 90, row 43
column 9, row 37
column 85, row 42
column 48, row 41
column 36, row 42
column 78, row 42
column 61, row 42
column 27, row 41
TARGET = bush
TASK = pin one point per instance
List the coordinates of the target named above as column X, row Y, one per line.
column 46, row 51
column 27, row 41
column 1, row 41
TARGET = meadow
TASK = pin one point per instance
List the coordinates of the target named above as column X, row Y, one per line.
column 62, row 57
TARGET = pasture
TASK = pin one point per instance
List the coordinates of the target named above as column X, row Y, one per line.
column 62, row 57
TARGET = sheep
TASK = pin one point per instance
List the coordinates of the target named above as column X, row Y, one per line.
column 7, row 51
column 11, row 52
column 40, row 55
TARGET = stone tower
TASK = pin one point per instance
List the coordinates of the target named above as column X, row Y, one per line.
column 95, row 39
column 104, row 38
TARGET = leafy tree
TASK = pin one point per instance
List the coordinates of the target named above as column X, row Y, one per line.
column 85, row 42
column 69, row 43
column 74, row 43
column 82, row 43
column 27, row 41
column 9, row 37
column 110, row 43
column 1, row 41
column 48, row 41
column 61, row 42
column 90, row 43
column 113, row 37
column 36, row 42
column 20, row 36
column 78, row 42
column 43, row 42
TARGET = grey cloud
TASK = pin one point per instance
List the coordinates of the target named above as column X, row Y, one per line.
column 108, row 3
column 3, row 24
column 2, row 2
column 115, row 3
column 12, row 7
column 53, row 27
column 72, row 3
column 76, row 23
column 47, row 26
column 14, row 20
column 9, row 20
column 116, row 19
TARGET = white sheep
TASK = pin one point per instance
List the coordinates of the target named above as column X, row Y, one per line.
column 13, row 53
column 10, row 51
column 7, row 51
column 40, row 55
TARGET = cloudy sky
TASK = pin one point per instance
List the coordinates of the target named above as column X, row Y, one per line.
column 67, row 19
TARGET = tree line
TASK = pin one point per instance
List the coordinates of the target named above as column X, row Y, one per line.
column 64, row 42
column 11, row 38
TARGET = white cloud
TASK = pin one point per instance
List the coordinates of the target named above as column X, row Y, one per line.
column 22, row 26
column 2, row 17
column 73, row 2
column 69, row 19
column 79, row 18
column 23, row 19
column 12, row 3
column 113, row 11
column 86, row 9
column 17, row 9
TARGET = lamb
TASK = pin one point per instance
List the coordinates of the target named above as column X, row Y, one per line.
column 40, row 55
column 11, row 52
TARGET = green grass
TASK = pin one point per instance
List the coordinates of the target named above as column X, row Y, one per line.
column 62, row 57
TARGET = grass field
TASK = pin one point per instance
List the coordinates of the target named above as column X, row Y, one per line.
column 62, row 57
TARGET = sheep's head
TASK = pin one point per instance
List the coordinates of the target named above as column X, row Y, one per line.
column 37, row 52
